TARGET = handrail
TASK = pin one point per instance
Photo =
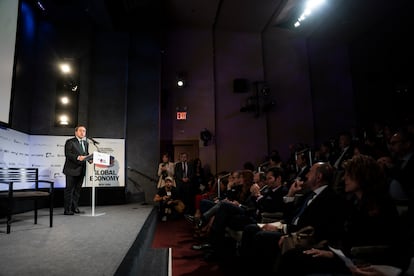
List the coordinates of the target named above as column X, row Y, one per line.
column 143, row 174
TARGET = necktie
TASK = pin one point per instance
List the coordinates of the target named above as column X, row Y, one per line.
column 82, row 145
column 184, row 169
column 310, row 196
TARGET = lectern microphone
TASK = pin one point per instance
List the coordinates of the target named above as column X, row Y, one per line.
column 93, row 140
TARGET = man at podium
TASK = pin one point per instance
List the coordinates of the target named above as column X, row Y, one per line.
column 76, row 153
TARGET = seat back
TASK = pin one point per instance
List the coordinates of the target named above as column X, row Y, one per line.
column 19, row 175
column 26, row 177
column 8, row 175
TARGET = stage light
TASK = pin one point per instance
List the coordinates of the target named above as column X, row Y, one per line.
column 65, row 68
column 310, row 7
column 180, row 83
column 63, row 120
column 39, row 4
column 181, row 80
column 64, row 100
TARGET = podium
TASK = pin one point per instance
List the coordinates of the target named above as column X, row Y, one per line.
column 98, row 158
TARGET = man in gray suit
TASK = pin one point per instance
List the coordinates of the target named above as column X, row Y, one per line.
column 76, row 152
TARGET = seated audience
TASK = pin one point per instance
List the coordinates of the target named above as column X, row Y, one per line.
column 372, row 220
column 319, row 207
column 237, row 216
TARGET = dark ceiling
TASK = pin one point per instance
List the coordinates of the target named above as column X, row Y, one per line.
column 342, row 19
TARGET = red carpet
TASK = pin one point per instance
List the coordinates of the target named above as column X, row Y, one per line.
column 178, row 235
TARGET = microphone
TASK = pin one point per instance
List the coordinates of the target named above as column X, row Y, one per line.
column 94, row 141
column 264, row 164
column 224, row 176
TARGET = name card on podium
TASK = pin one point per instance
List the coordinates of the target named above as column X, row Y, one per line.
column 100, row 158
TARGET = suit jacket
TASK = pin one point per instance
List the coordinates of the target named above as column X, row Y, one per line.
column 73, row 166
column 272, row 201
column 345, row 156
column 326, row 213
column 179, row 172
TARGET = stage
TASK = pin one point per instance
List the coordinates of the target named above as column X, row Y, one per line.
column 115, row 243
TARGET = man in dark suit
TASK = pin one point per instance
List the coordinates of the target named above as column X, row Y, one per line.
column 76, row 152
column 183, row 172
column 345, row 151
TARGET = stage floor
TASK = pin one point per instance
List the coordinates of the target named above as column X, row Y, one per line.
column 75, row 245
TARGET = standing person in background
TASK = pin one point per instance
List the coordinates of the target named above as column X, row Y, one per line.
column 165, row 168
column 183, row 173
column 76, row 152
column 198, row 180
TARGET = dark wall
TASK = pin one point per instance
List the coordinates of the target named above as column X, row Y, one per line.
column 332, row 93
column 109, row 85
column 382, row 63
column 143, row 112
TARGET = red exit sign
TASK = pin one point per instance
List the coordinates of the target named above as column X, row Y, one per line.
column 181, row 115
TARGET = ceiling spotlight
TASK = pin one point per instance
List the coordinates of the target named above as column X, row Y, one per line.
column 181, row 80
column 180, row 83
column 63, row 120
column 65, row 68
column 64, row 100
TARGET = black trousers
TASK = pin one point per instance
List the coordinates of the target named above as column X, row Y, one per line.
column 72, row 192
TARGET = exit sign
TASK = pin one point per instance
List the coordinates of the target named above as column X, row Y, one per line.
column 181, row 115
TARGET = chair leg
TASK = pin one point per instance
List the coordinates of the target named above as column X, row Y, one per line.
column 9, row 215
column 35, row 211
column 51, row 212
column 8, row 223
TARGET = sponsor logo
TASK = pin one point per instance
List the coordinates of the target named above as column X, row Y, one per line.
column 56, row 175
column 111, row 163
column 49, row 154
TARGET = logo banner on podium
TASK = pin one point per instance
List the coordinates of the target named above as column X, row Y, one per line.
column 100, row 158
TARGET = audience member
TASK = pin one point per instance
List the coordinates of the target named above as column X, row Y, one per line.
column 183, row 172
column 169, row 203
column 165, row 168
column 344, row 152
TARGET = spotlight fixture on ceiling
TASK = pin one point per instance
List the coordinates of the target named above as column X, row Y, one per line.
column 310, row 7
column 63, row 119
column 181, row 80
column 67, row 93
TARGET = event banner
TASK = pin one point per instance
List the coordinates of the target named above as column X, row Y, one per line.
column 47, row 153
